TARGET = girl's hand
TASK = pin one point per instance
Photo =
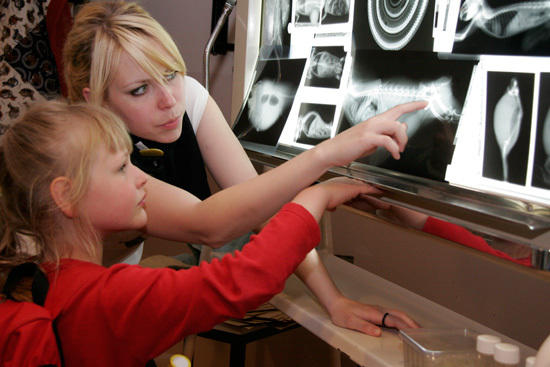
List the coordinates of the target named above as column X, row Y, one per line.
column 383, row 130
column 328, row 194
column 365, row 318
column 393, row 213
column 341, row 190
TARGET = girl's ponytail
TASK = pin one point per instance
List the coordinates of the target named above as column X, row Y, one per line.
column 11, row 254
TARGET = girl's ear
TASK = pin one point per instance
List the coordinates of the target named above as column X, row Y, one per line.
column 60, row 189
column 86, row 94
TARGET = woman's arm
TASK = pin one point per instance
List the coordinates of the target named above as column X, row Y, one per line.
column 177, row 215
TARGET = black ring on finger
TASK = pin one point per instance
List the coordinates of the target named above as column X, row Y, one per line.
column 384, row 319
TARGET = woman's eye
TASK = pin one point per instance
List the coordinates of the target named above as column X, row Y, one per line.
column 139, row 91
column 171, row 76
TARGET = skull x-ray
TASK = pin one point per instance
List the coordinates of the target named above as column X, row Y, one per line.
column 266, row 103
column 503, row 27
column 325, row 67
column 507, row 126
column 270, row 98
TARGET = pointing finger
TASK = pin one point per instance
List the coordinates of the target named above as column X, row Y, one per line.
column 395, row 112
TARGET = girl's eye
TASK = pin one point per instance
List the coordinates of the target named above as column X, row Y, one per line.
column 123, row 167
column 139, row 90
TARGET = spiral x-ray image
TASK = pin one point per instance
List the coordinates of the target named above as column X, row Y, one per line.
column 314, row 123
column 508, row 126
column 317, row 12
column 381, row 80
column 266, row 110
column 503, row 27
column 541, row 166
column 325, row 67
column 394, row 25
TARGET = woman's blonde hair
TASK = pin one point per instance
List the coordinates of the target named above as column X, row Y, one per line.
column 101, row 32
column 52, row 139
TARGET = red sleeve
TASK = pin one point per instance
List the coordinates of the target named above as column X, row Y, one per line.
column 27, row 337
column 155, row 308
column 459, row 234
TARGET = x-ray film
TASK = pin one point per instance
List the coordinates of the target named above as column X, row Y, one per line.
column 503, row 27
column 382, row 80
column 394, row 25
column 328, row 65
column 512, row 128
column 269, row 101
column 320, row 17
column 541, row 164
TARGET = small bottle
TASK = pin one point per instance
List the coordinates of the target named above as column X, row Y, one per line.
column 530, row 361
column 506, row 355
column 179, row 360
column 485, row 345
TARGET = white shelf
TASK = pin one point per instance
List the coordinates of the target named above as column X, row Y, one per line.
column 361, row 285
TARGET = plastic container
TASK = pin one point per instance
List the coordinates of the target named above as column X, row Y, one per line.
column 439, row 347
column 530, row 361
column 506, row 355
column 485, row 345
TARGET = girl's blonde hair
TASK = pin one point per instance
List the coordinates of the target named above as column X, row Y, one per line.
column 52, row 139
column 101, row 32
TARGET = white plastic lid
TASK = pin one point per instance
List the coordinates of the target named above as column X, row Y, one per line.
column 530, row 361
column 485, row 343
column 179, row 360
column 506, row 353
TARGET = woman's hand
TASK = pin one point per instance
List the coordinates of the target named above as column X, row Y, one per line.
column 350, row 314
column 383, row 130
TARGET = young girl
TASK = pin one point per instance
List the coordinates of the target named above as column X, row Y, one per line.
column 117, row 56
column 67, row 182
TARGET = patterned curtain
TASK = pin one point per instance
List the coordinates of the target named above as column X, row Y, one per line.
column 28, row 53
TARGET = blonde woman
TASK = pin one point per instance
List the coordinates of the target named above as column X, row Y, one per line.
column 118, row 56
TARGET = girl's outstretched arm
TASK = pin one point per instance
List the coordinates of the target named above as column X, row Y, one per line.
column 343, row 311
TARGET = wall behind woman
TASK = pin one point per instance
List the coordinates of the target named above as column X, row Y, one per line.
column 189, row 23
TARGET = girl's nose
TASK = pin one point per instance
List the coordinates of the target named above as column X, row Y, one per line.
column 141, row 178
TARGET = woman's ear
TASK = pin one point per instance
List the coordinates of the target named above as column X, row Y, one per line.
column 86, row 94
column 60, row 189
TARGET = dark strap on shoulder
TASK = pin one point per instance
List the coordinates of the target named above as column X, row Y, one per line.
column 40, row 283
column 58, row 341
column 40, row 287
